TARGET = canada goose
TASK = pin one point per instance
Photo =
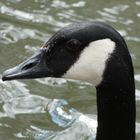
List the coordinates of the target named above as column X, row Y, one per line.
column 96, row 53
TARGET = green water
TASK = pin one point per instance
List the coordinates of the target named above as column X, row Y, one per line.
column 46, row 109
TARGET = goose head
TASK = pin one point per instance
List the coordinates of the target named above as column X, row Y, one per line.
column 79, row 51
column 96, row 53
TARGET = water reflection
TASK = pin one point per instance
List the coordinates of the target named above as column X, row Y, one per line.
column 36, row 112
column 113, row 14
column 12, row 34
column 16, row 99
column 19, row 101
column 34, row 16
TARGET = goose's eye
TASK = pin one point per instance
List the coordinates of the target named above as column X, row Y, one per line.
column 73, row 45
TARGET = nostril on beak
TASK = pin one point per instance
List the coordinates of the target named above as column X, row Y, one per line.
column 28, row 66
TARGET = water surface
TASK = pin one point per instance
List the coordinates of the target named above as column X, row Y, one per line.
column 56, row 109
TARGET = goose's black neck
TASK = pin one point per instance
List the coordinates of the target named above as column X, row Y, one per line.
column 116, row 102
column 116, row 115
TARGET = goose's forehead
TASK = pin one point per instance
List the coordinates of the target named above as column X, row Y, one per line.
column 91, row 64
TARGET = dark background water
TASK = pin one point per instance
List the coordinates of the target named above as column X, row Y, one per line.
column 50, row 108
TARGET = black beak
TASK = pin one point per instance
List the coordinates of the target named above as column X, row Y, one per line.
column 34, row 67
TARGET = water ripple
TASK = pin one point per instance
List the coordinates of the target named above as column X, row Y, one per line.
column 17, row 103
column 10, row 90
column 30, row 104
column 52, row 81
column 59, row 4
column 62, row 4
column 77, row 125
column 29, row 16
column 137, row 94
column 113, row 14
column 132, row 38
column 137, row 2
column 116, row 10
column 59, row 115
column 11, row 34
column 20, row 101
column 137, row 77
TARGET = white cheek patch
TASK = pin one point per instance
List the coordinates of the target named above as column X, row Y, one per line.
column 92, row 62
